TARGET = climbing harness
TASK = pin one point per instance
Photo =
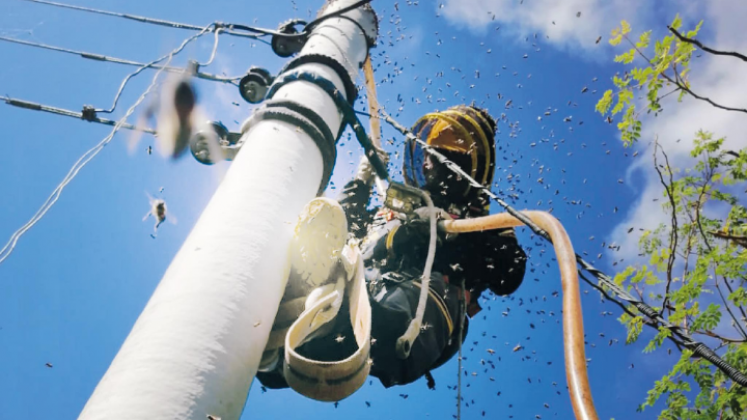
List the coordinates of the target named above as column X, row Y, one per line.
column 325, row 273
column 332, row 381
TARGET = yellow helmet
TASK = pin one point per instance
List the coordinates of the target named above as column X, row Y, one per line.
column 466, row 136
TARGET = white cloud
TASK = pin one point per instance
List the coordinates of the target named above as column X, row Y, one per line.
column 555, row 19
column 719, row 78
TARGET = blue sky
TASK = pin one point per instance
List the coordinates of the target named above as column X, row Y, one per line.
column 78, row 280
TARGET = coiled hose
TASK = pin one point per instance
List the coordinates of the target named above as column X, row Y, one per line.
column 573, row 327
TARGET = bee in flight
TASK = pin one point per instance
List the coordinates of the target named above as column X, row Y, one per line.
column 158, row 211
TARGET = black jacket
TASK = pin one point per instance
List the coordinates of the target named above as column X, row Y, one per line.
column 490, row 259
column 394, row 253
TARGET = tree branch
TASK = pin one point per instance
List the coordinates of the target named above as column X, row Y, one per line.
column 740, row 240
column 625, row 309
column 683, row 87
column 704, row 48
column 726, row 305
column 731, row 153
column 673, row 238
column 708, row 175
column 722, row 338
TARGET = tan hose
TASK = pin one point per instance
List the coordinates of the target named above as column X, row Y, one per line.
column 373, row 109
column 573, row 326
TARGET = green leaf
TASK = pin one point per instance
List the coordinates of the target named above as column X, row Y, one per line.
column 739, row 297
column 709, row 319
column 641, row 75
column 635, row 326
column 604, row 103
column 623, row 98
column 694, row 32
column 616, row 36
column 625, row 27
column 643, row 40
column 626, row 58
column 657, row 341
column 677, row 22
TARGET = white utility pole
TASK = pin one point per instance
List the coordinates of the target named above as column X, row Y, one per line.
column 195, row 348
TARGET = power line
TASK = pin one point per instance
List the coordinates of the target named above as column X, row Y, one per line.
column 679, row 334
column 91, row 153
column 229, row 28
column 77, row 166
column 68, row 113
column 257, row 34
column 145, row 66
column 105, row 58
column 143, row 19
column 89, row 113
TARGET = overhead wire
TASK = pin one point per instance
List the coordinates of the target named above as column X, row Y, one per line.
column 307, row 26
column 622, row 306
column 215, row 27
column 141, row 68
column 256, row 32
column 141, row 19
column 336, row 13
column 215, row 48
column 6, row 251
column 79, row 164
column 68, row 113
column 99, row 57
column 679, row 335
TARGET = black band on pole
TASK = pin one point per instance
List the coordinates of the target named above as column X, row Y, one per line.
column 329, row 154
column 351, row 92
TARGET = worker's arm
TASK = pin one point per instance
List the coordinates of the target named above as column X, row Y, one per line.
column 355, row 196
column 491, row 259
column 354, row 200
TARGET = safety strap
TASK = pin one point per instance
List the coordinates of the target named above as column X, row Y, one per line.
column 332, row 381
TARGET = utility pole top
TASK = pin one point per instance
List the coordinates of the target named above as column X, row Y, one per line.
column 196, row 347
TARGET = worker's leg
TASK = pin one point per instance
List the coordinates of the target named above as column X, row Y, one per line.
column 314, row 253
column 394, row 301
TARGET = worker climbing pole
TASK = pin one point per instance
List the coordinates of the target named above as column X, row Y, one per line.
column 195, row 348
column 258, row 290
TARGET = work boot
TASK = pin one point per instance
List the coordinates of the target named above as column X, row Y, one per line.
column 320, row 235
column 314, row 255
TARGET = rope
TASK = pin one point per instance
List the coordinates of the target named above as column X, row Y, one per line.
column 463, row 316
column 682, row 335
